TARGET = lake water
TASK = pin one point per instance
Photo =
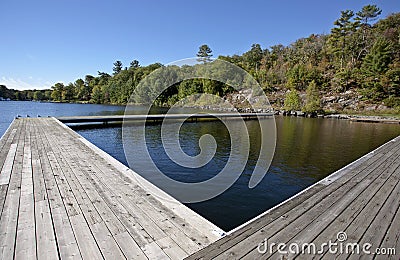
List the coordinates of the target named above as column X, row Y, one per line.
column 308, row 149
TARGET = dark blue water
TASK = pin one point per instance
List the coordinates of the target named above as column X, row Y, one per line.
column 307, row 151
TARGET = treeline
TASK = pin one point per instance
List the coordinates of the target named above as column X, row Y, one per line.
column 23, row 95
column 357, row 54
column 361, row 53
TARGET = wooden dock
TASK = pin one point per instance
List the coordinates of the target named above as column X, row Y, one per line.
column 362, row 200
column 62, row 197
column 159, row 117
column 374, row 120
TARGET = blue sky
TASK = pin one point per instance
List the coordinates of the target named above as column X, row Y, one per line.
column 44, row 42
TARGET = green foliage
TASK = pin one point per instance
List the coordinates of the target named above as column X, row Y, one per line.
column 97, row 95
column 12, row 94
column 391, row 82
column 204, row 53
column 378, row 59
column 253, row 57
column 292, row 100
column 358, row 54
column 134, row 64
column 296, row 76
column 69, row 92
column 38, row 95
column 345, row 79
column 339, row 38
column 392, row 101
column 117, row 67
column 313, row 100
column 374, row 67
column 368, row 14
column 58, row 90
column 7, row 93
column 189, row 87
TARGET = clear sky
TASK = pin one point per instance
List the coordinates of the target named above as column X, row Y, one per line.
column 47, row 41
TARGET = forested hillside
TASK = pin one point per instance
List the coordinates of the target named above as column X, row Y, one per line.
column 355, row 67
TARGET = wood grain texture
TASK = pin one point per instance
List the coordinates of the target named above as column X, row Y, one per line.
column 64, row 198
column 61, row 199
column 362, row 199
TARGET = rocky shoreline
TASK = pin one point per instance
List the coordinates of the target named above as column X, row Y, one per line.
column 354, row 118
column 350, row 117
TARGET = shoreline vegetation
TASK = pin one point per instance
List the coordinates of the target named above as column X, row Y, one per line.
column 353, row 70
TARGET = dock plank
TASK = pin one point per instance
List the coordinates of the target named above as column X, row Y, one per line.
column 46, row 245
column 7, row 145
column 9, row 137
column 65, row 237
column 129, row 246
column 26, row 237
column 392, row 237
column 106, row 241
column 45, row 237
column 9, row 214
column 8, row 165
column 84, row 237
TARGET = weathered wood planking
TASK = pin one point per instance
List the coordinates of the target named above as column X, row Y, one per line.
column 62, row 197
column 9, row 214
column 362, row 200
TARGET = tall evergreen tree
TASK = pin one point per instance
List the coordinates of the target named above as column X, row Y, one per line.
column 292, row 100
column 313, row 100
column 375, row 64
column 254, row 56
column 367, row 14
column 117, row 67
column 134, row 64
column 377, row 60
column 344, row 26
column 204, row 54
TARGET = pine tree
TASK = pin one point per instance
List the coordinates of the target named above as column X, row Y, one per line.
column 204, row 53
column 313, row 100
column 374, row 66
column 134, row 64
column 292, row 101
column 367, row 14
column 344, row 27
column 377, row 60
column 117, row 67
